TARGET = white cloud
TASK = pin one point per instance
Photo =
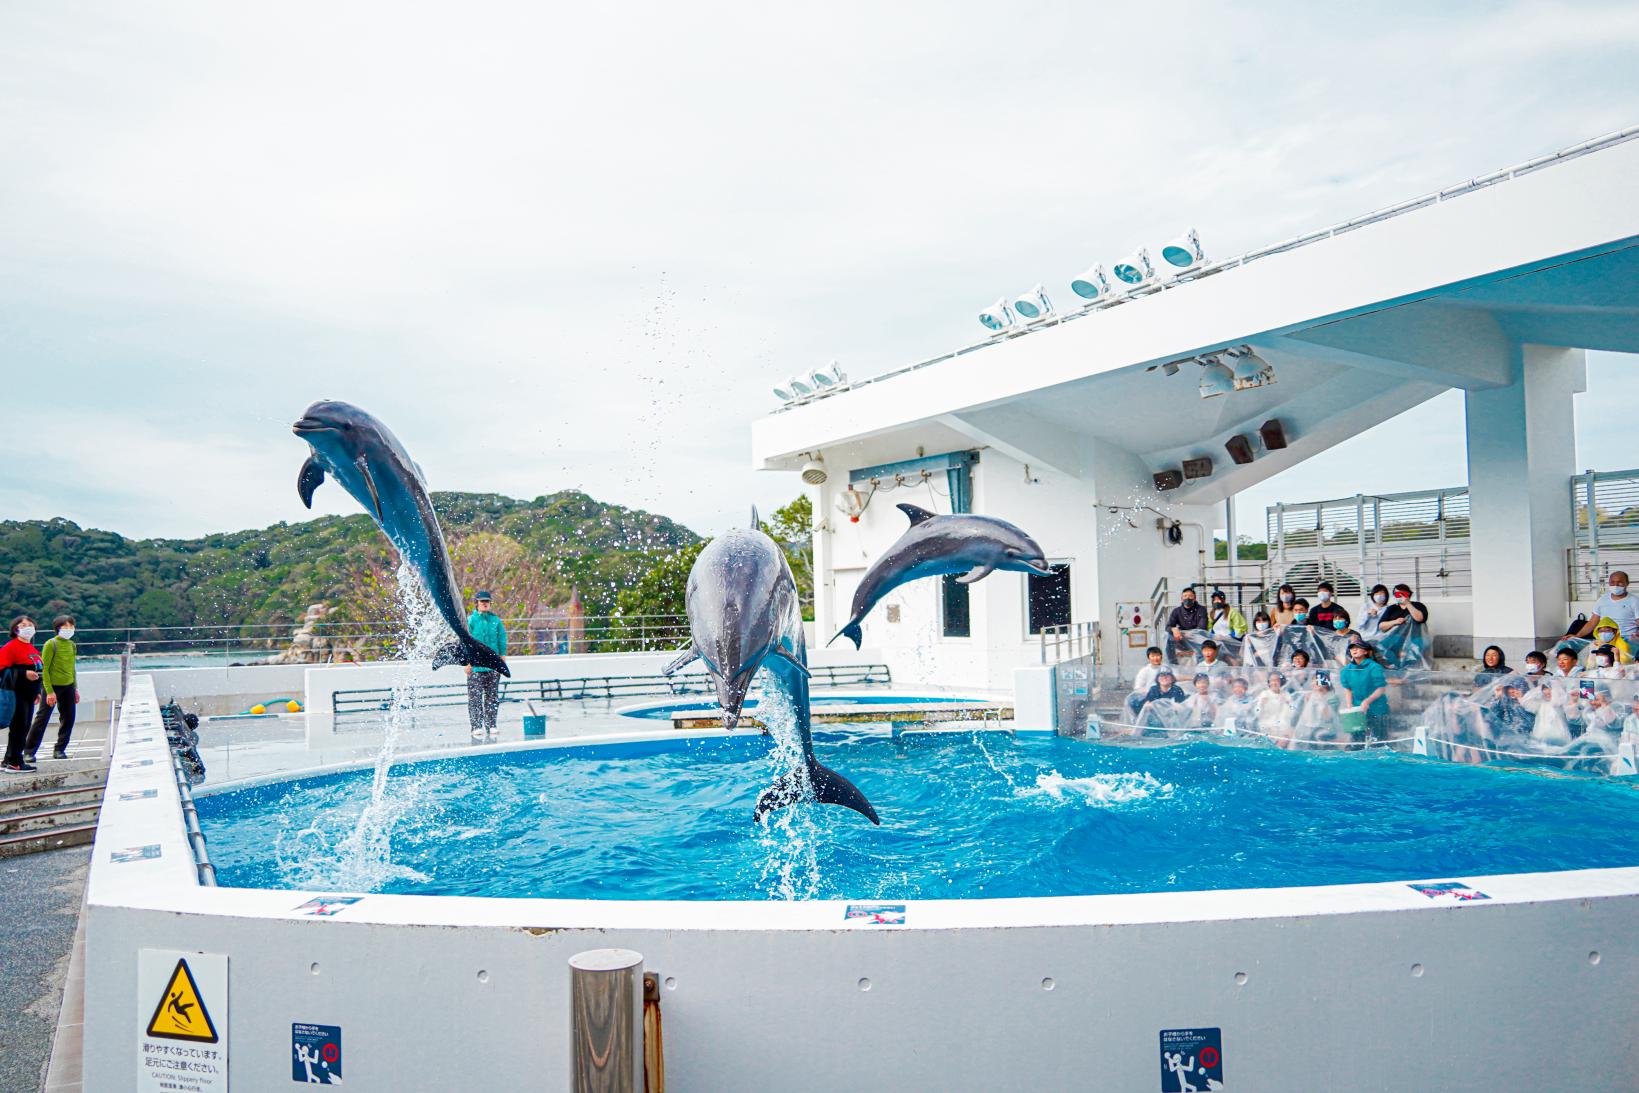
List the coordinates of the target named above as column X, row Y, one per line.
column 560, row 246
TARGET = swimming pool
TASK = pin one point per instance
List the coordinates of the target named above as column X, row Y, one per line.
column 965, row 816
column 665, row 711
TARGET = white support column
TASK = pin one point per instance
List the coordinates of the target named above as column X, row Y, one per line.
column 1521, row 455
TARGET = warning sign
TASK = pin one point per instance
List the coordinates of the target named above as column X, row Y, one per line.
column 182, row 1015
column 1192, row 1059
column 315, row 1054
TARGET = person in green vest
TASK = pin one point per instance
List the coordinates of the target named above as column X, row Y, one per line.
column 59, row 687
column 483, row 685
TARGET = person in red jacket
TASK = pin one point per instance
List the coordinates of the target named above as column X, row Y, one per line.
column 20, row 680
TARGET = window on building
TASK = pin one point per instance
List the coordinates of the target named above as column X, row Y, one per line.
column 1049, row 598
column 954, row 607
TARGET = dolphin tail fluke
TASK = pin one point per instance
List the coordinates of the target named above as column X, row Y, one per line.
column 472, row 653
column 853, row 632
column 823, row 785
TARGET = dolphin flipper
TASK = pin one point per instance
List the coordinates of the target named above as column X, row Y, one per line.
column 375, row 498
column 977, row 573
column 473, row 653
column 685, row 657
column 786, row 654
column 309, row 479
column 853, row 632
column 824, row 785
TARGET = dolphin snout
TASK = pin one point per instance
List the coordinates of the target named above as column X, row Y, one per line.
column 1038, row 566
column 307, row 425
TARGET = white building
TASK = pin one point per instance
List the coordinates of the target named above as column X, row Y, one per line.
column 1060, row 425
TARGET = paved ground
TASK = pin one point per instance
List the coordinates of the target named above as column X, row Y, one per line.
column 40, row 905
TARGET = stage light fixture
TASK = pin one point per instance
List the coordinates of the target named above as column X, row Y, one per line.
column 1168, row 480
column 813, row 471
column 783, row 394
column 997, row 317
column 1092, row 285
column 1184, row 252
column 1199, row 467
column 798, row 387
column 1250, row 370
column 1273, row 434
column 1135, row 269
column 1032, row 305
column 1239, row 448
column 1215, row 378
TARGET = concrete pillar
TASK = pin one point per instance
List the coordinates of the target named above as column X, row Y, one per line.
column 1521, row 455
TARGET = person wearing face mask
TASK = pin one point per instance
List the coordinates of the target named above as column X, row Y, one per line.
column 1225, row 621
column 1327, row 611
column 1608, row 636
column 1602, row 663
column 60, row 689
column 1618, row 606
column 1377, row 602
column 1188, row 615
column 20, row 665
column 1285, row 606
column 1536, row 663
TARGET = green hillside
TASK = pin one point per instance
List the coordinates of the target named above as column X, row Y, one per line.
column 538, row 550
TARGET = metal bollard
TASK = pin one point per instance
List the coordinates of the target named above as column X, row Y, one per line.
column 606, row 1021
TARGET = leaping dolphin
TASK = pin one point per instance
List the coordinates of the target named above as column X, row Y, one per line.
column 935, row 545
column 743, row 615
column 371, row 464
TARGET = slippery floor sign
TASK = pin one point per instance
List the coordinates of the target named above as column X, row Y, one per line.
column 182, row 1022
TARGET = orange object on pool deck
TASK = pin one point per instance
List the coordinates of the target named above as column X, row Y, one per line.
column 293, row 706
column 258, row 709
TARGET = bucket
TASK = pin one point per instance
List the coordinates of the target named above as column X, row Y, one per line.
column 534, row 721
column 1353, row 721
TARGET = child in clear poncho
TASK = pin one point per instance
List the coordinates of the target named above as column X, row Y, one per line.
column 1238, row 709
column 1317, row 719
column 1203, row 711
column 1276, row 716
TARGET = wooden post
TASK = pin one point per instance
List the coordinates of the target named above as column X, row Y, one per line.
column 606, row 1021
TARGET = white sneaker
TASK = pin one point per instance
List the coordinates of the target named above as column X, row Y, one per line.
column 477, row 736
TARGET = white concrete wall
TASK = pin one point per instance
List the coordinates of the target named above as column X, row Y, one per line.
column 217, row 690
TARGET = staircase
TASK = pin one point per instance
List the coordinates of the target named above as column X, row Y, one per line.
column 53, row 808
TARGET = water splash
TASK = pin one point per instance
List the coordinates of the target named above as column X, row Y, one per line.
column 790, row 837
column 360, row 859
column 1101, row 790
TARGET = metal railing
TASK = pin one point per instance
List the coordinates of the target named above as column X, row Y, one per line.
column 375, row 700
column 1068, row 641
column 1436, row 197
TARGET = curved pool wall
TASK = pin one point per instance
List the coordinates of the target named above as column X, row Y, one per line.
column 1349, row 987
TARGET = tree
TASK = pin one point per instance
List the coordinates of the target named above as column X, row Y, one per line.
column 793, row 528
column 649, row 613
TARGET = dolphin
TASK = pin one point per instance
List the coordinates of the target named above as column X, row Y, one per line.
column 743, row 615
column 371, row 464
column 935, row 545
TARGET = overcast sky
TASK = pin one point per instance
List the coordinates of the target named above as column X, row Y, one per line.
column 574, row 245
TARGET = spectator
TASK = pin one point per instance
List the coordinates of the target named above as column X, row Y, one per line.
column 1285, row 606
column 60, row 689
column 1365, row 686
column 1262, row 623
column 1300, row 612
column 1300, row 659
column 1377, row 602
column 1275, row 713
column 1536, row 663
column 1606, row 633
column 1165, row 686
column 20, row 665
column 1216, row 670
column 1602, row 664
column 1144, row 680
column 1225, row 621
column 1404, row 609
column 1508, row 714
column 1565, row 663
column 1493, row 666
column 1328, row 611
column 1203, row 711
column 1188, row 615
column 1616, row 604
column 1342, row 636
column 483, row 685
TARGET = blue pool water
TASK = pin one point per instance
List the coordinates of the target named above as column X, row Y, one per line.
column 669, row 710
column 963, row 816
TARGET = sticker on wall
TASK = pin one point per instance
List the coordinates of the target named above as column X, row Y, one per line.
column 182, row 1021
column 875, row 914
column 327, row 905
column 137, row 763
column 135, row 853
column 139, row 740
column 315, row 1054
column 139, row 795
column 1449, row 889
column 1192, row 1059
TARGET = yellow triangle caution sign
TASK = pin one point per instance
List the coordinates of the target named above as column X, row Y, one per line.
column 181, row 1012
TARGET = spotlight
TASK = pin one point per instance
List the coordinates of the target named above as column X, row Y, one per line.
column 1215, row 378
column 1168, row 480
column 783, row 394
column 1239, row 448
column 1135, row 269
column 1250, row 370
column 838, row 374
column 1183, row 252
column 821, row 381
column 1273, row 434
column 1199, row 467
column 1170, row 368
column 813, row 471
column 1092, row 285
column 997, row 317
column 1033, row 305
column 799, row 388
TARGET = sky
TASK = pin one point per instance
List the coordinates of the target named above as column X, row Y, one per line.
column 563, row 246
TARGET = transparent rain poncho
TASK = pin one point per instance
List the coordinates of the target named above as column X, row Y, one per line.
column 1576, row 722
column 1229, row 651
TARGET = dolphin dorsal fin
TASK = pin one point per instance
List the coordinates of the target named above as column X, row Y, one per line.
column 756, row 524
column 916, row 513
